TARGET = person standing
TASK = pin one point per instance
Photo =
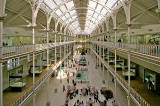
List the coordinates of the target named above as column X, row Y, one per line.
column 68, row 80
column 104, row 103
column 63, row 88
column 86, row 91
column 73, row 81
column 90, row 102
column 73, row 74
column 66, row 104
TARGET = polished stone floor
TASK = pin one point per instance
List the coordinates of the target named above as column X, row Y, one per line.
column 95, row 77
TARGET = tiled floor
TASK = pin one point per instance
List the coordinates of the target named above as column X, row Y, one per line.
column 95, row 77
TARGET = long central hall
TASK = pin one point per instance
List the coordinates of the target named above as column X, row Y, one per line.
column 95, row 81
column 79, row 52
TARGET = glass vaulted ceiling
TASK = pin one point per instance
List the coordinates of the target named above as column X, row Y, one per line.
column 97, row 10
column 66, row 12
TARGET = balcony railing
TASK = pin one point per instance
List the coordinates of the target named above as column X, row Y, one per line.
column 10, row 51
column 147, row 49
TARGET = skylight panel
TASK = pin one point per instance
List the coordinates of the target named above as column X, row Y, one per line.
column 58, row 1
column 70, row 5
column 110, row 3
column 67, row 15
column 76, row 22
column 90, row 15
column 71, row 27
column 58, row 12
column 92, row 4
column 102, row 1
column 93, row 20
column 63, row 18
column 66, row 12
column 90, row 12
column 115, row 3
column 72, row 12
column 74, row 17
column 99, row 7
column 99, row 17
column 63, row 8
column 95, row 15
column 104, row 11
column 87, row 23
column 75, row 26
column 69, row 20
column 50, row 3
column 45, row 7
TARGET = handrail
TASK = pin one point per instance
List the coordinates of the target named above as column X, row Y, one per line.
column 11, row 51
column 21, row 100
column 134, row 95
column 150, row 50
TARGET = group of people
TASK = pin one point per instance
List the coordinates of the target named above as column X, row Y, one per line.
column 70, row 93
column 91, row 94
column 86, row 92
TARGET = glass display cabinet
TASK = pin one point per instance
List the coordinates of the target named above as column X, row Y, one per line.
column 150, row 79
column 83, row 62
column 37, row 70
column 44, row 63
column 120, row 64
column 111, row 60
column 132, row 72
column 17, row 79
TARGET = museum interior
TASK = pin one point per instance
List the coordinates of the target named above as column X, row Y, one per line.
column 80, row 53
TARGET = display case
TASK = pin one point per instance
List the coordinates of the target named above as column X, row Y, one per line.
column 82, row 69
column 83, row 62
column 150, row 79
column 37, row 70
column 58, row 56
column 105, row 57
column 44, row 63
column 120, row 64
column 111, row 60
column 132, row 72
column 52, row 61
column 17, row 78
